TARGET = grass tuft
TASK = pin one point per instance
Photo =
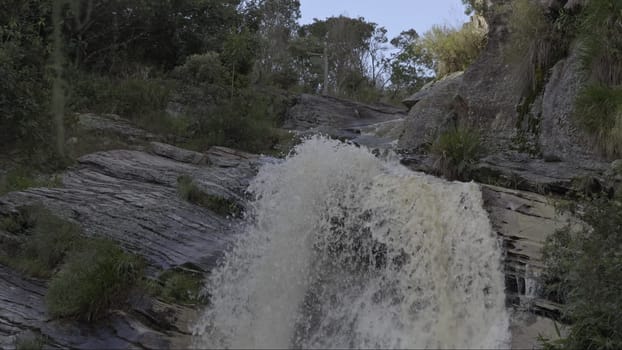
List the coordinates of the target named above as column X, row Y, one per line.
column 598, row 110
column 456, row 151
column 95, row 277
column 180, row 287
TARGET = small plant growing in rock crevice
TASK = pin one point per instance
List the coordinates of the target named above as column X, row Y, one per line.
column 455, row 152
column 178, row 286
column 188, row 190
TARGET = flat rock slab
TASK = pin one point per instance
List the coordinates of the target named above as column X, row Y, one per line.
column 23, row 311
column 524, row 220
column 337, row 117
column 131, row 197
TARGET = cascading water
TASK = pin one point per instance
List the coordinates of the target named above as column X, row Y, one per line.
column 344, row 250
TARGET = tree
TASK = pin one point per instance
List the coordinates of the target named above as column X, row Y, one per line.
column 24, row 89
column 276, row 24
column 411, row 67
column 350, row 45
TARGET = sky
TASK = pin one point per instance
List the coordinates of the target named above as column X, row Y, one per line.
column 395, row 15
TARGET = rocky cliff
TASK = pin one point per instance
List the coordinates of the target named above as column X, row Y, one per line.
column 530, row 138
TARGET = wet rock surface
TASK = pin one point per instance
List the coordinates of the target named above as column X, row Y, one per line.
column 342, row 119
column 130, row 197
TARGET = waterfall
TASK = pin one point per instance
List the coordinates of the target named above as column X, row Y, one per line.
column 345, row 250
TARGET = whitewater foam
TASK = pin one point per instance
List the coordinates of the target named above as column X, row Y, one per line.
column 345, row 250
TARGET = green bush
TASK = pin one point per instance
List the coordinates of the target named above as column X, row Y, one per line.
column 455, row 152
column 188, row 190
column 21, row 178
column 202, row 69
column 453, row 49
column 24, row 86
column 95, row 277
column 601, row 42
column 584, row 270
column 179, row 286
column 598, row 110
column 42, row 241
column 142, row 100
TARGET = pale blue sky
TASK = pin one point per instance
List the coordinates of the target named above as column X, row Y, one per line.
column 395, row 15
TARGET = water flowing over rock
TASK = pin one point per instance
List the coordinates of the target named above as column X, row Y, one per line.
column 131, row 198
column 346, row 250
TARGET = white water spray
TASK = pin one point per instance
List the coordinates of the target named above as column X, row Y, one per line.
column 344, row 250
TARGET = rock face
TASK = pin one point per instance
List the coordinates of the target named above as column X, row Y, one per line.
column 434, row 108
column 541, row 147
column 342, row 119
column 131, row 197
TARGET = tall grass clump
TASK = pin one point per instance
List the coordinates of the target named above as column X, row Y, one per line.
column 455, row 152
column 598, row 108
column 40, row 241
column 537, row 41
column 95, row 277
column 453, row 49
column 87, row 275
column 584, row 271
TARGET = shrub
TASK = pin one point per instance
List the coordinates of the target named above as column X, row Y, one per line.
column 202, row 69
column 21, row 178
column 600, row 27
column 24, row 86
column 536, row 42
column 453, row 49
column 95, row 277
column 43, row 240
column 584, row 270
column 598, row 110
column 179, row 286
column 142, row 100
column 188, row 190
column 455, row 152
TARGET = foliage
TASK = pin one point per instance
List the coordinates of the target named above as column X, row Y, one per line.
column 475, row 6
column 455, row 152
column 206, row 68
column 179, row 286
column 95, row 277
column 277, row 24
column 21, row 178
column 188, row 190
column 584, row 270
column 350, row 46
column 600, row 27
column 410, row 66
column 537, row 41
column 48, row 241
column 453, row 49
column 598, row 110
column 23, row 87
column 94, row 273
